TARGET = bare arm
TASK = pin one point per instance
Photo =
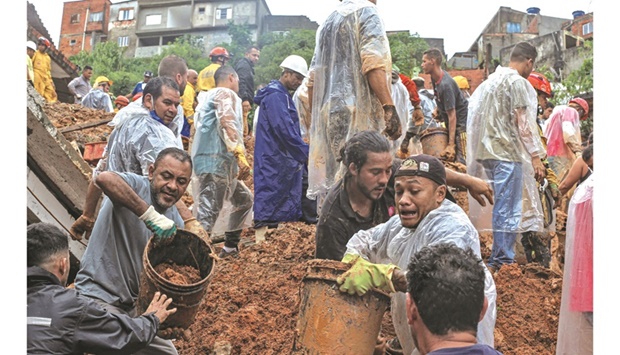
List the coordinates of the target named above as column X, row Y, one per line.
column 451, row 126
column 379, row 85
column 577, row 170
column 120, row 192
column 477, row 188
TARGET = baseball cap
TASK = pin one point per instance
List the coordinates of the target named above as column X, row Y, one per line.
column 148, row 74
column 425, row 166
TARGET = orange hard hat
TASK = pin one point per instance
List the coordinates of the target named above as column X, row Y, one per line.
column 45, row 41
column 584, row 105
column 219, row 52
column 540, row 83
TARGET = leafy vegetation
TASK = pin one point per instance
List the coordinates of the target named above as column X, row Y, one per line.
column 407, row 52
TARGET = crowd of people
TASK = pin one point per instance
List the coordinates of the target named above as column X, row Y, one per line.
column 332, row 148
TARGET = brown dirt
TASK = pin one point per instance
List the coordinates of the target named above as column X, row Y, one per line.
column 178, row 274
column 252, row 302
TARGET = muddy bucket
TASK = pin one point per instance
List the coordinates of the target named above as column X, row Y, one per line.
column 185, row 250
column 333, row 322
column 434, row 141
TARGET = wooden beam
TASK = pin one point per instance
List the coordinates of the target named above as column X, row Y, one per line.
column 80, row 126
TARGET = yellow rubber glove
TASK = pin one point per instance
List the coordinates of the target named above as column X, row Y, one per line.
column 240, row 156
column 364, row 275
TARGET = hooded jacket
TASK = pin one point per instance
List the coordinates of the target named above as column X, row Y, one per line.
column 60, row 321
column 280, row 155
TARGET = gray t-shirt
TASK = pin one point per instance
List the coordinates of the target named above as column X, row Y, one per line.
column 112, row 262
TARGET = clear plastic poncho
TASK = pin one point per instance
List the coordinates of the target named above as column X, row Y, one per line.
column 575, row 329
column 403, row 105
column 349, row 44
column 175, row 126
column 562, row 129
column 390, row 242
column 495, row 132
column 135, row 142
column 219, row 132
column 302, row 104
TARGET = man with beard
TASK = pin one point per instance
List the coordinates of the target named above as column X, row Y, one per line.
column 425, row 217
column 364, row 198
column 143, row 129
column 135, row 207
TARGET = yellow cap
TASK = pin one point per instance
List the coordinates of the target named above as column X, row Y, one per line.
column 462, row 82
column 102, row 79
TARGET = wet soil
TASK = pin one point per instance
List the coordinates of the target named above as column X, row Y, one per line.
column 252, row 301
column 178, row 274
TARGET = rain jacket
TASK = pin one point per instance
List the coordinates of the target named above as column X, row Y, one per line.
column 391, row 243
column 61, row 321
column 563, row 131
column 99, row 100
column 494, row 132
column 400, row 96
column 135, row 142
column 43, row 83
column 350, row 43
column 279, row 156
column 575, row 329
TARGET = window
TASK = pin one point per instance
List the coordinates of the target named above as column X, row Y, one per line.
column 125, row 14
column 587, row 28
column 223, row 13
column 72, row 42
column 153, row 20
column 75, row 18
column 96, row 17
column 513, row 27
column 123, row 41
column 201, row 11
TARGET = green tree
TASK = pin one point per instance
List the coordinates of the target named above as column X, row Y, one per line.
column 578, row 82
column 191, row 48
column 407, row 52
column 277, row 46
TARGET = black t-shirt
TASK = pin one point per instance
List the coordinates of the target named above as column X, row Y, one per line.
column 338, row 222
column 448, row 96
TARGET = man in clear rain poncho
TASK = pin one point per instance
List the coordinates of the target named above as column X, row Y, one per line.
column 143, row 130
column 220, row 165
column 348, row 87
column 504, row 147
column 425, row 217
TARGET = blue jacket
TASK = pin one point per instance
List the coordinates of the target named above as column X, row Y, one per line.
column 280, row 155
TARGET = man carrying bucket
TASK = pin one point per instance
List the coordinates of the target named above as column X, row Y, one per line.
column 365, row 196
column 136, row 208
column 425, row 217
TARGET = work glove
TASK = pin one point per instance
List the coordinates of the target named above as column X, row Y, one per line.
column 160, row 225
column 244, row 167
column 448, row 153
column 82, row 226
column 403, row 153
column 393, row 128
column 364, row 275
column 418, row 116
column 193, row 226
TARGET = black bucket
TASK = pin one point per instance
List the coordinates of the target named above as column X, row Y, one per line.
column 186, row 249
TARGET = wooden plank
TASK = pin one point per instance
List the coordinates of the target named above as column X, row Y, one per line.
column 80, row 126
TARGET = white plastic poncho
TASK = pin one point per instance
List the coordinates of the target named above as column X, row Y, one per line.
column 349, row 44
column 403, row 105
column 390, row 242
column 135, row 142
column 496, row 132
column 575, row 329
column 175, row 126
column 219, row 132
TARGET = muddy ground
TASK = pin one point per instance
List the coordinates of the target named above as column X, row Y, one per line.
column 252, row 301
